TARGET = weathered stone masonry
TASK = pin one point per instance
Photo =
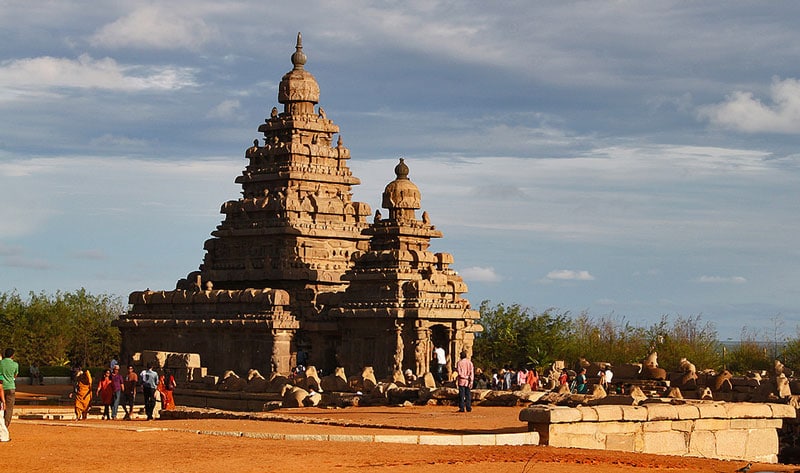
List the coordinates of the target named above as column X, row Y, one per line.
column 732, row 431
column 295, row 273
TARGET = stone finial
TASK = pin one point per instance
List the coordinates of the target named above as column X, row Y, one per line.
column 298, row 90
column 299, row 58
column 401, row 170
column 401, row 196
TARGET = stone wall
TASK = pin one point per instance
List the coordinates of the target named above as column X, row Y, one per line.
column 728, row 431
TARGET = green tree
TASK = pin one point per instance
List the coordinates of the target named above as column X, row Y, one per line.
column 53, row 329
column 94, row 340
column 514, row 335
column 498, row 344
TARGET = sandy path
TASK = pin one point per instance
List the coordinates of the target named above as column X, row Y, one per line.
column 136, row 446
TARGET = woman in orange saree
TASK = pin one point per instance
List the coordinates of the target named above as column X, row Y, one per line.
column 83, row 394
column 166, row 384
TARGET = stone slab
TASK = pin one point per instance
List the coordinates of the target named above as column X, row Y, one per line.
column 350, row 438
column 661, row 412
column 687, row 411
column 409, row 439
column 608, row 413
column 525, row 438
column 549, row 415
column 634, row 413
column 664, row 443
column 479, row 439
column 783, row 410
column 440, row 440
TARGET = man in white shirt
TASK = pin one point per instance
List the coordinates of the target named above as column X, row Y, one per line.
column 441, row 361
column 149, row 380
column 609, row 376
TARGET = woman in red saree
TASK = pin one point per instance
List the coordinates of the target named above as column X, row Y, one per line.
column 166, row 384
column 105, row 389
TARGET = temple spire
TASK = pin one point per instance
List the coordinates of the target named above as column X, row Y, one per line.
column 299, row 58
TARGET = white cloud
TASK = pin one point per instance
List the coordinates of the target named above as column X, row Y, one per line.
column 94, row 254
column 225, row 110
column 570, row 275
column 743, row 112
column 109, row 140
column 21, row 261
column 721, row 280
column 29, row 76
column 154, row 27
column 6, row 249
column 480, row 274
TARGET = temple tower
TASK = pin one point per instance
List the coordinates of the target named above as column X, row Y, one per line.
column 295, row 274
column 403, row 299
column 296, row 226
column 292, row 235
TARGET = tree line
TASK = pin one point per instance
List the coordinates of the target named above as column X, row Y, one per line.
column 514, row 335
column 60, row 329
column 75, row 327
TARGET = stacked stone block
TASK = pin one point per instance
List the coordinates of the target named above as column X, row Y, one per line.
column 730, row 431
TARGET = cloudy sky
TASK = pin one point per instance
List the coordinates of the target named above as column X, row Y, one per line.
column 630, row 159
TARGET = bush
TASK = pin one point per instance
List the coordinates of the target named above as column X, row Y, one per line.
column 516, row 335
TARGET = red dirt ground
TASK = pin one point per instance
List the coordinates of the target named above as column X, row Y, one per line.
column 136, row 446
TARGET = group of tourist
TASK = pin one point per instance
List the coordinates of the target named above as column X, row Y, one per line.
column 114, row 389
column 506, row 379
column 579, row 384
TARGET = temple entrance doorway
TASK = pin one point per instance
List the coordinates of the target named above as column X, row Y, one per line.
column 440, row 338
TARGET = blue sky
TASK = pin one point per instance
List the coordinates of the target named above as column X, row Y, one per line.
column 631, row 159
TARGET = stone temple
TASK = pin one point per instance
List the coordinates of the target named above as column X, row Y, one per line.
column 299, row 273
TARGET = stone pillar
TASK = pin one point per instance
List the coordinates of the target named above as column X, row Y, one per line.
column 280, row 361
column 453, row 352
column 421, row 352
column 399, row 348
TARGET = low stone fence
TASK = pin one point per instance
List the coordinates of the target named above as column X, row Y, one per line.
column 726, row 431
column 48, row 380
column 226, row 400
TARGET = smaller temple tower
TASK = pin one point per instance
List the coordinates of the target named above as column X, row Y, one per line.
column 402, row 299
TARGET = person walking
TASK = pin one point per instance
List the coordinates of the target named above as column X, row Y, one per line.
column 105, row 390
column 131, row 381
column 4, row 437
column 440, row 361
column 9, row 369
column 466, row 376
column 83, row 394
column 117, row 383
column 166, row 384
column 149, row 380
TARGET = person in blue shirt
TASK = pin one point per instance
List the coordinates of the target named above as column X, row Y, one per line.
column 149, row 380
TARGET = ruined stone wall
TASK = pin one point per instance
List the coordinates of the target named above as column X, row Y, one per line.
column 224, row 347
column 729, row 431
